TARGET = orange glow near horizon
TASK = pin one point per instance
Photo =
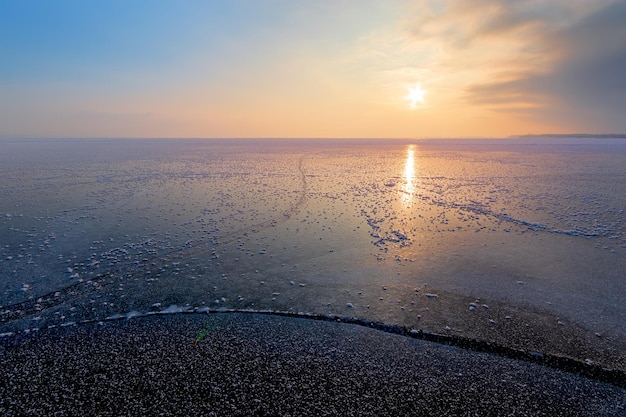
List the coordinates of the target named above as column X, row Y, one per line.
column 318, row 70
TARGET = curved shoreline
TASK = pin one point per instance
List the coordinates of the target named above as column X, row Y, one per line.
column 586, row 369
column 239, row 364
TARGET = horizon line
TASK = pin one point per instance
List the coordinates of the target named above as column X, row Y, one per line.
column 514, row 136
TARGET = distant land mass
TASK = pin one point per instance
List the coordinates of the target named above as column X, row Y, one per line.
column 575, row 135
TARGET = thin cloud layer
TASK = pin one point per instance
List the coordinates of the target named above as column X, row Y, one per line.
column 579, row 73
column 325, row 68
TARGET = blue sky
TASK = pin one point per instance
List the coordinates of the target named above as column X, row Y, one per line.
column 276, row 68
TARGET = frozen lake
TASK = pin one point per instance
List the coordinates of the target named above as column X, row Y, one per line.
column 520, row 242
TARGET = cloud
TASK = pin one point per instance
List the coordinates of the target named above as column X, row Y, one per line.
column 579, row 73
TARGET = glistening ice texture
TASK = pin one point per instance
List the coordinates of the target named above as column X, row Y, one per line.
column 518, row 242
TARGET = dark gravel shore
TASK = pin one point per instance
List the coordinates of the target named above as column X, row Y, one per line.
column 250, row 364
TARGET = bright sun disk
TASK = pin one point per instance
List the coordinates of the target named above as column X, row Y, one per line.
column 416, row 95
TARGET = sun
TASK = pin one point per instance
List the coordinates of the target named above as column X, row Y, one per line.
column 416, row 95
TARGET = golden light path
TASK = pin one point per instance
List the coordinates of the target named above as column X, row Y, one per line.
column 408, row 177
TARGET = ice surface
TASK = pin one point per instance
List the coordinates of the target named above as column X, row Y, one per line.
column 529, row 234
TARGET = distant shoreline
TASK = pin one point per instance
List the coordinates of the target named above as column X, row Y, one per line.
column 573, row 135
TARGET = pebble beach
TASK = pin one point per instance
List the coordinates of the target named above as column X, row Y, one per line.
column 237, row 364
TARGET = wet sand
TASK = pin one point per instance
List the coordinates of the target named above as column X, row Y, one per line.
column 237, row 364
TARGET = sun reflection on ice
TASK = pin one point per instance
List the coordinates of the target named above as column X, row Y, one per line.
column 408, row 177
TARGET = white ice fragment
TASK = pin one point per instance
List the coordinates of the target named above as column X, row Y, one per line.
column 133, row 314
column 349, row 305
column 174, row 309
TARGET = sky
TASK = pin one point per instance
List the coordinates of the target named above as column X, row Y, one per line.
column 311, row 68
